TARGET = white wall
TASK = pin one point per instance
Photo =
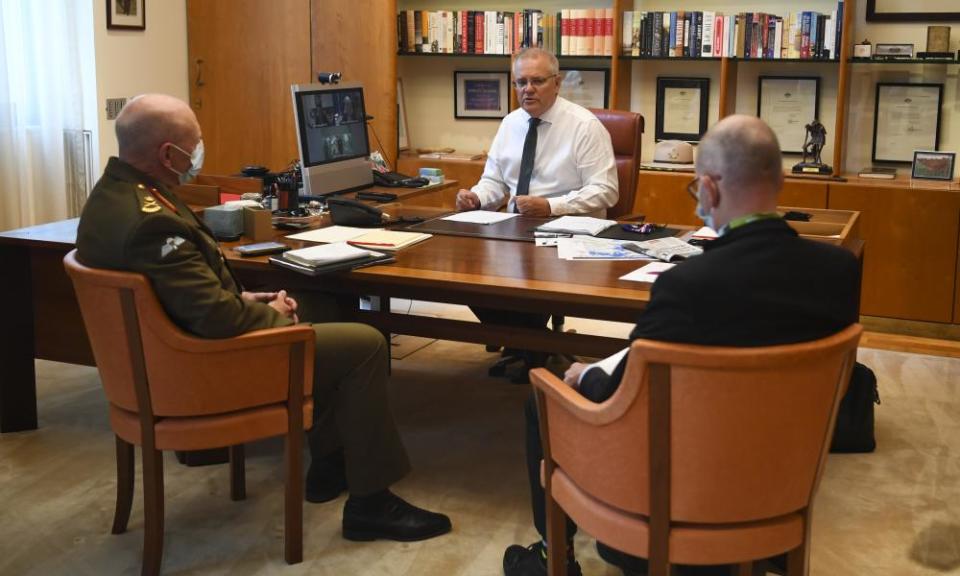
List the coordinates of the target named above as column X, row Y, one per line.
column 134, row 62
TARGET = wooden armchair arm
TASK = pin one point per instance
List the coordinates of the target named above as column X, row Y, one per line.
column 558, row 392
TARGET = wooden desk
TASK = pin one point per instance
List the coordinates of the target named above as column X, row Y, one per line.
column 44, row 321
column 43, row 318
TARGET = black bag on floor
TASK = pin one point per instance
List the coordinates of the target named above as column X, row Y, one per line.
column 854, row 429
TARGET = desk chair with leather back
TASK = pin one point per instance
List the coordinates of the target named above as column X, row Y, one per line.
column 703, row 455
column 626, row 133
column 169, row 390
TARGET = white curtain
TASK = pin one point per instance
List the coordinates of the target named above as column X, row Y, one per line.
column 46, row 73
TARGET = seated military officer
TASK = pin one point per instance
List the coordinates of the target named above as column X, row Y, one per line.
column 133, row 221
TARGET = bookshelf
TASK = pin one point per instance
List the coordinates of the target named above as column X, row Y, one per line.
column 632, row 78
column 899, row 219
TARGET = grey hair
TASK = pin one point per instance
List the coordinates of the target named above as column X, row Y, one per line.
column 744, row 152
column 535, row 52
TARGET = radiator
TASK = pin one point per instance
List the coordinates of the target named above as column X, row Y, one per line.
column 78, row 168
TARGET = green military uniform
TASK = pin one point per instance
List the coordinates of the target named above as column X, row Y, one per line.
column 133, row 222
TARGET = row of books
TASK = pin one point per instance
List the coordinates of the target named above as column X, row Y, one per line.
column 575, row 32
column 798, row 35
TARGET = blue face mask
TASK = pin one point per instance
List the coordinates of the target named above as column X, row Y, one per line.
column 196, row 163
column 707, row 218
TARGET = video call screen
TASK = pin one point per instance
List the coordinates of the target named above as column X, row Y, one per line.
column 332, row 125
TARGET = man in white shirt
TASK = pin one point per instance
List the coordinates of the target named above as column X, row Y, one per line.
column 571, row 168
column 550, row 157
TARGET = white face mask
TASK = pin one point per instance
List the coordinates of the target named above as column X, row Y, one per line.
column 196, row 163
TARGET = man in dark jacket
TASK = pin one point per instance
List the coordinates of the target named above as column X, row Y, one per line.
column 758, row 284
column 133, row 221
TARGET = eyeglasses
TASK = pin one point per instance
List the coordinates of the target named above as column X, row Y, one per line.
column 521, row 83
column 694, row 186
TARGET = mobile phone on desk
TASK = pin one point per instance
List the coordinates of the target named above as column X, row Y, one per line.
column 261, row 248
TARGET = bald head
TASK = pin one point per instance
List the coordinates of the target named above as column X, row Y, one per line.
column 146, row 127
column 740, row 168
column 745, row 153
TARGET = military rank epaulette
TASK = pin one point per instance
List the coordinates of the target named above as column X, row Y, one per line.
column 150, row 200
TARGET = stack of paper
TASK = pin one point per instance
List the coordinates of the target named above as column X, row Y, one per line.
column 326, row 254
column 388, row 240
column 577, row 225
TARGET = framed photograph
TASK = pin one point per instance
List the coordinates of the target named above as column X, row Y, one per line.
column 787, row 105
column 930, row 165
column 913, row 11
column 126, row 15
column 587, row 87
column 906, row 117
column 481, row 94
column 682, row 105
column 403, row 135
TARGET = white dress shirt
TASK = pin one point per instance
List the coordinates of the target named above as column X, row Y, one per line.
column 574, row 167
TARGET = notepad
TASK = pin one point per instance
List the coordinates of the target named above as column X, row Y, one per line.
column 332, row 234
column 389, row 240
column 327, row 254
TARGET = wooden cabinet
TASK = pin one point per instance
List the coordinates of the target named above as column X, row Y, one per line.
column 243, row 57
column 910, row 252
column 663, row 197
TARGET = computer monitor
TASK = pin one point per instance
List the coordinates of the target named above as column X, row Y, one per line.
column 332, row 137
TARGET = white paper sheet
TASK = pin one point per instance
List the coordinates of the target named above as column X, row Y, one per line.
column 332, row 234
column 589, row 248
column 480, row 217
column 648, row 273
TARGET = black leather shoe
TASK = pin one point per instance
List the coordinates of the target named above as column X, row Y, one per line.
column 390, row 517
column 326, row 478
column 532, row 561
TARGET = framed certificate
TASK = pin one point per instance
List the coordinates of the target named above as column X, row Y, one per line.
column 912, row 11
column 481, row 94
column 682, row 105
column 586, row 87
column 906, row 118
column 787, row 105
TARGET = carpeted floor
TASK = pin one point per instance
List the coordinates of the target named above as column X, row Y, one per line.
column 894, row 512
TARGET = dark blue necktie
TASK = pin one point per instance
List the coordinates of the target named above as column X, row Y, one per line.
column 526, row 160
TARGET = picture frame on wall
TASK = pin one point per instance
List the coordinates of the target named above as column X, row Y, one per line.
column 906, row 117
column 587, row 87
column 787, row 104
column 682, row 106
column 913, row 11
column 126, row 14
column 403, row 134
column 932, row 165
column 481, row 95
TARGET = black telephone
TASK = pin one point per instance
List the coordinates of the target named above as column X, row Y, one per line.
column 396, row 179
column 346, row 212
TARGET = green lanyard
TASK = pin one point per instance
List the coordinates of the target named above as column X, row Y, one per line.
column 744, row 220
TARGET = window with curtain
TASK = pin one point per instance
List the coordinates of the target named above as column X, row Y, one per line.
column 46, row 78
